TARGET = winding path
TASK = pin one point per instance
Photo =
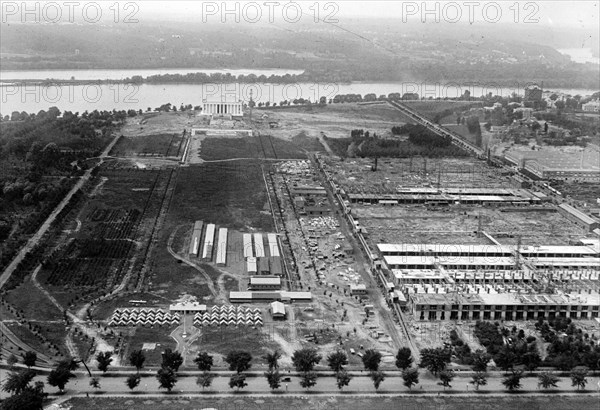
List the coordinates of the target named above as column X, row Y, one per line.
column 101, row 344
column 174, row 254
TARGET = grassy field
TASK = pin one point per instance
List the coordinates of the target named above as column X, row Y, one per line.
column 308, row 402
column 224, row 339
column 158, row 335
column 35, row 305
column 263, row 146
column 229, row 194
column 148, row 145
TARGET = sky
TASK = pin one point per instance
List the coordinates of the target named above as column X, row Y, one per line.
column 581, row 14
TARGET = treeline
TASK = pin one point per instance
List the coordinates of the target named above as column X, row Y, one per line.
column 508, row 348
column 421, row 142
column 223, row 78
column 569, row 345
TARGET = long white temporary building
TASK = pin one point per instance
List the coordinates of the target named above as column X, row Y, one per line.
column 247, row 242
column 222, row 247
column 273, row 246
column 209, row 240
column 196, row 236
column 259, row 247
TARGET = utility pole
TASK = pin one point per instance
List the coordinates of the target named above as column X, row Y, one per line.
column 250, row 103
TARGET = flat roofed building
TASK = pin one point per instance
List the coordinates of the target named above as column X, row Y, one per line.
column 195, row 243
column 259, row 247
column 503, row 306
column 359, row 289
column 190, row 307
column 195, row 240
column 262, row 296
column 496, row 276
column 559, row 251
column 425, row 276
column 222, row 247
column 438, row 249
column 209, row 239
column 317, row 210
column 273, row 245
column 264, row 283
column 450, row 262
column 578, row 217
column 247, row 244
column 566, row 263
column 308, row 191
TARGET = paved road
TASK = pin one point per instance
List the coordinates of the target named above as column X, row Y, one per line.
column 32, row 242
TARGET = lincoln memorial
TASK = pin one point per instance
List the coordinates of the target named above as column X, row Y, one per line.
column 220, row 108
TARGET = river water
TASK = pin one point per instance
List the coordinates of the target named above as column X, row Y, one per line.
column 91, row 96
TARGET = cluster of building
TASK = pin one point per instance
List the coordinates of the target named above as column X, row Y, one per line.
column 228, row 315
column 143, row 317
column 493, row 282
column 261, row 260
column 311, row 200
column 204, row 234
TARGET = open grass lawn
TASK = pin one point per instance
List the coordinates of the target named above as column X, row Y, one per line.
column 35, row 305
column 156, row 144
column 224, row 339
column 319, row 402
column 263, row 146
column 158, row 335
column 232, row 195
column 230, row 284
column 28, row 337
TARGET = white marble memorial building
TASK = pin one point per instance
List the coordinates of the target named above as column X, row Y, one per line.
column 220, row 108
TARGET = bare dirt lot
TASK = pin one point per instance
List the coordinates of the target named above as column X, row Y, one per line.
column 335, row 120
